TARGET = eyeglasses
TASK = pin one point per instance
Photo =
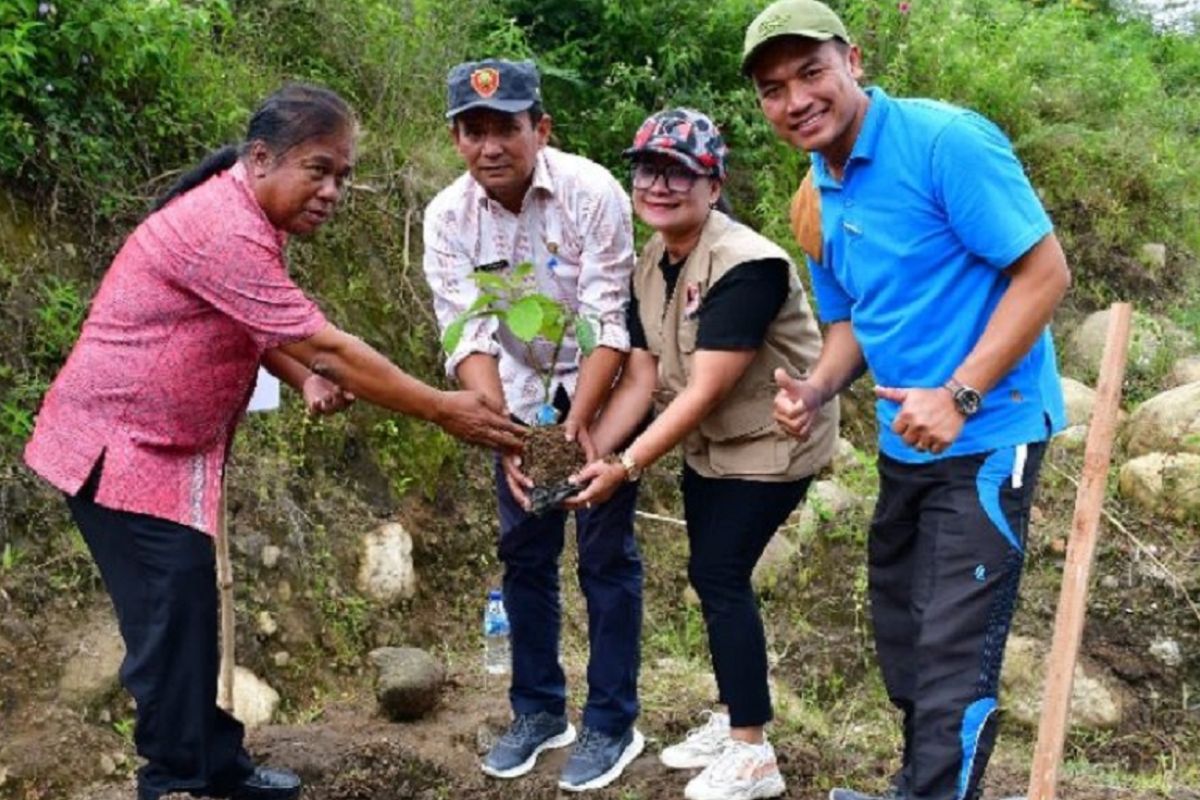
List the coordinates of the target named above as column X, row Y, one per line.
column 677, row 178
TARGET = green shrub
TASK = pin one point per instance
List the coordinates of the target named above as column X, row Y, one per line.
column 49, row 312
column 97, row 96
column 1103, row 110
column 1104, row 114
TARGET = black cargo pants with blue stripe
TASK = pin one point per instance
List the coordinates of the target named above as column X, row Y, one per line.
column 946, row 550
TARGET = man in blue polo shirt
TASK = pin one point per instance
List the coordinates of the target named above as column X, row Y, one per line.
column 938, row 271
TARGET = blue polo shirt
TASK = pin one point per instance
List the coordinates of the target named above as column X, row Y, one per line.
column 932, row 207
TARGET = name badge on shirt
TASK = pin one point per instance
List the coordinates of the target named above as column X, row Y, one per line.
column 493, row 266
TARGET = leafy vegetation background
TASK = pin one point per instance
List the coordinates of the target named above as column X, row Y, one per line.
column 103, row 102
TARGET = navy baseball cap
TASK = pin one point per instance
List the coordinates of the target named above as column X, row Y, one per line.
column 508, row 86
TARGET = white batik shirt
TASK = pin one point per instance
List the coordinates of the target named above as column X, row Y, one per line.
column 574, row 226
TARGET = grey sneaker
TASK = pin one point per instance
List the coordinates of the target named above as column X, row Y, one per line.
column 599, row 759
column 894, row 792
column 897, row 790
column 849, row 794
column 527, row 736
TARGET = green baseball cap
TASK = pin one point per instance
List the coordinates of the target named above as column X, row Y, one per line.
column 807, row 18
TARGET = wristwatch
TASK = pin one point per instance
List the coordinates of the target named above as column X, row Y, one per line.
column 632, row 470
column 966, row 398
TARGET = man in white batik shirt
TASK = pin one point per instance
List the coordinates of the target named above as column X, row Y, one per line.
column 523, row 201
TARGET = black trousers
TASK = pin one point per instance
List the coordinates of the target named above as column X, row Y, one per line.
column 729, row 523
column 161, row 577
column 946, row 551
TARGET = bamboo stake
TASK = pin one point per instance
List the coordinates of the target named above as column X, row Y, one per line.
column 1081, row 548
column 225, row 587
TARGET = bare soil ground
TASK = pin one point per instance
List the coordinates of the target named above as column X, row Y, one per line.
column 348, row 752
column 352, row 754
column 841, row 731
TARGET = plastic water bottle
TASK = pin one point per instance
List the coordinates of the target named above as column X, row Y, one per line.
column 496, row 650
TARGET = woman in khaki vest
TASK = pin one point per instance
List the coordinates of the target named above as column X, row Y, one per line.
column 716, row 309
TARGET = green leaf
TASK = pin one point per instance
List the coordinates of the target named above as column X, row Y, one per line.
column 483, row 301
column 524, row 318
column 585, row 334
column 523, row 269
column 453, row 334
column 554, row 324
column 488, row 281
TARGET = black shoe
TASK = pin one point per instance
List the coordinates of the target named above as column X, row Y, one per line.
column 268, row 783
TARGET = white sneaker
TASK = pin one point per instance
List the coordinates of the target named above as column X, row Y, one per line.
column 701, row 746
column 743, row 771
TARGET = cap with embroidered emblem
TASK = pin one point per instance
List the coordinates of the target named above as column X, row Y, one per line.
column 507, row 86
column 809, row 19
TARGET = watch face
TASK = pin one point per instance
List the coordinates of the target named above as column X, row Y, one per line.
column 967, row 400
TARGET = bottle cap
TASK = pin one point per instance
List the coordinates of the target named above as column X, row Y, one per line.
column 495, row 594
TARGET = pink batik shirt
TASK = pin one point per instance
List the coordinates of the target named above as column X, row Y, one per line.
column 166, row 360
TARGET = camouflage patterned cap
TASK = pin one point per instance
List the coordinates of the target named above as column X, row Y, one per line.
column 685, row 135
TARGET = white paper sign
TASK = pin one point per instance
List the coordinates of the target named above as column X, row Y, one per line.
column 266, row 392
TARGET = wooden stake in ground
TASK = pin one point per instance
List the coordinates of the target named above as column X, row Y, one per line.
column 264, row 398
column 1072, row 603
column 225, row 587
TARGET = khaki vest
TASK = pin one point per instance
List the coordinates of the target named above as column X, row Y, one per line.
column 740, row 438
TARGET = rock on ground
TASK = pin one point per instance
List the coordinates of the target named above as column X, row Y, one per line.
column 1164, row 483
column 778, row 557
column 830, row 499
column 1153, row 256
column 408, row 683
column 254, row 701
column 1167, row 423
column 1167, row 651
column 845, row 456
column 1096, row 699
column 1068, row 440
column 1080, row 400
column 1149, row 335
column 90, row 673
column 825, row 500
column 1184, row 370
column 386, row 571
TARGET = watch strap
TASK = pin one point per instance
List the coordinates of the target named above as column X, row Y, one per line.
column 632, row 470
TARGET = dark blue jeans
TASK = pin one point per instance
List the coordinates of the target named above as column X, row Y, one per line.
column 610, row 575
column 162, row 581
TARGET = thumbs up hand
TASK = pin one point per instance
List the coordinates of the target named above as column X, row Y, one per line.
column 796, row 404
